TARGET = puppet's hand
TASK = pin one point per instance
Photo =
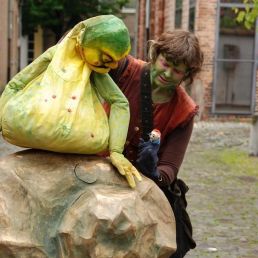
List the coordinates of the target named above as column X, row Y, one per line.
column 125, row 168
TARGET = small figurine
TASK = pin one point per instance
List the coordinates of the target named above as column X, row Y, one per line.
column 148, row 155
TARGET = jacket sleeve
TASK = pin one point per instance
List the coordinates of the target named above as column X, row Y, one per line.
column 21, row 79
column 119, row 110
column 172, row 153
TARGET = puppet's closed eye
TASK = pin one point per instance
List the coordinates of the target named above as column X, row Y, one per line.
column 106, row 58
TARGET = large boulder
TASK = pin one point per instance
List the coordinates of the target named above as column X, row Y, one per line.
column 78, row 206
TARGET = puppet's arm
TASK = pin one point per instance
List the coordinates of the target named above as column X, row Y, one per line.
column 21, row 79
column 118, row 124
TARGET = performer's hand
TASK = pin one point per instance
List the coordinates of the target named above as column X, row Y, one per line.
column 147, row 159
column 125, row 168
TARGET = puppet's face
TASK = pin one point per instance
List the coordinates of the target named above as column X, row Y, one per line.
column 105, row 41
column 101, row 59
column 155, row 135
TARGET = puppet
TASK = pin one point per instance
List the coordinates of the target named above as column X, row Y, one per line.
column 54, row 105
column 148, row 154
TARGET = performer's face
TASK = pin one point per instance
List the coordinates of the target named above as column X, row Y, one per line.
column 165, row 73
column 101, row 60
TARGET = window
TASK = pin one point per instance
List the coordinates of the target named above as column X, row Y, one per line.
column 178, row 16
column 235, row 65
column 191, row 15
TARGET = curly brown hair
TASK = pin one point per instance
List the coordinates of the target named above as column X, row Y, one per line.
column 179, row 46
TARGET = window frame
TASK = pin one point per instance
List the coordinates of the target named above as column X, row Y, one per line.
column 217, row 60
column 192, row 6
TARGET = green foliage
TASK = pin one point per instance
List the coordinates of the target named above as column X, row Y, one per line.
column 228, row 22
column 249, row 15
column 61, row 15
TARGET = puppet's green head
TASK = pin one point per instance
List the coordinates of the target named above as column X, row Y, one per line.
column 104, row 42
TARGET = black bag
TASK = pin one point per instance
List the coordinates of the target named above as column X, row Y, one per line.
column 175, row 194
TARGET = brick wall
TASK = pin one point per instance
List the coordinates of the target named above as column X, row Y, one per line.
column 205, row 29
column 141, row 29
column 9, row 31
column 156, row 24
column 14, row 35
column 169, row 17
column 185, row 14
column 157, row 18
column 3, row 43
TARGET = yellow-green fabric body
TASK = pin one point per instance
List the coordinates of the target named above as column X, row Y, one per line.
column 53, row 105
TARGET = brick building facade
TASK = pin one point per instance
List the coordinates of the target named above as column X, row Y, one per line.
column 227, row 87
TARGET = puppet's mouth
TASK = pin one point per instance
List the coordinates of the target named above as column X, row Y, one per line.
column 104, row 68
column 99, row 69
column 100, row 66
column 112, row 65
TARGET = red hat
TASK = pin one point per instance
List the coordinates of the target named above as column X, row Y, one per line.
column 157, row 131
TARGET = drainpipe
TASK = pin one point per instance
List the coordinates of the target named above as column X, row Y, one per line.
column 135, row 47
column 147, row 24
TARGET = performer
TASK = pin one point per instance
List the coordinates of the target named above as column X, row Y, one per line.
column 158, row 100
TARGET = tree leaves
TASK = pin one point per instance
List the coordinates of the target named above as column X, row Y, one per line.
column 249, row 15
column 61, row 15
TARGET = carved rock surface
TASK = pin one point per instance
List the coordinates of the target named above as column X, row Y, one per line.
column 76, row 206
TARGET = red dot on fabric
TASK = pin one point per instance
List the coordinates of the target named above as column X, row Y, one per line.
column 53, row 96
column 73, row 97
column 69, row 110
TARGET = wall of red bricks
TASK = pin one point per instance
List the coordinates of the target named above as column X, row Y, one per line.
column 141, row 29
column 169, row 17
column 205, row 29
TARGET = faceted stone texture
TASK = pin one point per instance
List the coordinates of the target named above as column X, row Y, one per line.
column 78, row 206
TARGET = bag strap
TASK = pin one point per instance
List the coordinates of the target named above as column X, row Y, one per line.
column 146, row 104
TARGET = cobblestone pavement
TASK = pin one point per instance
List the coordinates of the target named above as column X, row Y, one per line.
column 223, row 195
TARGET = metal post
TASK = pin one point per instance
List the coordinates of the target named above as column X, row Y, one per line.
column 147, row 25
